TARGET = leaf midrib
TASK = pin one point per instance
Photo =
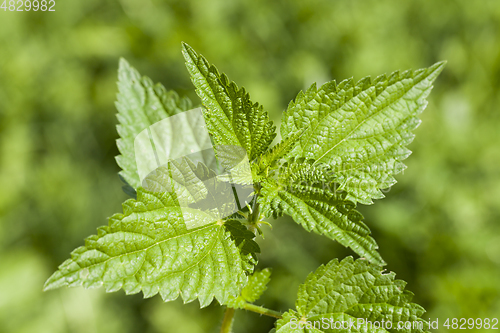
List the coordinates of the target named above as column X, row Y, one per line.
column 145, row 249
column 194, row 62
column 346, row 137
column 311, row 127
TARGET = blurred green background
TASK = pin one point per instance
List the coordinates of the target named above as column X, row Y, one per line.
column 438, row 228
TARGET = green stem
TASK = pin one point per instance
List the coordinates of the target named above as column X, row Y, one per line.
column 227, row 322
column 255, row 207
column 262, row 310
column 256, row 212
column 254, row 217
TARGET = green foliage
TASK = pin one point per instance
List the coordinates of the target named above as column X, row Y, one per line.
column 140, row 104
column 268, row 162
column 357, row 133
column 257, row 284
column 231, row 117
column 148, row 248
column 347, row 292
column 243, row 238
column 195, row 185
column 303, row 192
column 360, row 129
column 438, row 227
column 176, row 239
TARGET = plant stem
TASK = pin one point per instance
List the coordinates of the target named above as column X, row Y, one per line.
column 255, row 207
column 227, row 322
column 256, row 212
column 254, row 216
column 262, row 310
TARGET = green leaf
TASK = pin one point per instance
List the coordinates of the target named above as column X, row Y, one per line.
column 140, row 104
column 360, row 129
column 231, row 117
column 257, row 284
column 196, row 187
column 243, row 238
column 302, row 191
column 150, row 248
column 269, row 161
column 351, row 291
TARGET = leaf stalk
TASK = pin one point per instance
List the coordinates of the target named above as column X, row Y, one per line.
column 262, row 310
column 227, row 322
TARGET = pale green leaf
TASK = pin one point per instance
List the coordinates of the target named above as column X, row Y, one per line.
column 350, row 292
column 140, row 104
column 231, row 117
column 257, row 284
column 360, row 129
column 150, row 248
column 302, row 191
column 197, row 187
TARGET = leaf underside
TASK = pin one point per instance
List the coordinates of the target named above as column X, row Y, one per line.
column 348, row 292
column 360, row 129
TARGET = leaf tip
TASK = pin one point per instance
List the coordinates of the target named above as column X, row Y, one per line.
column 436, row 69
column 123, row 64
column 53, row 282
column 188, row 51
column 438, row 66
column 381, row 262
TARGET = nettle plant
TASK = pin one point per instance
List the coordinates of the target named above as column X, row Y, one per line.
column 341, row 145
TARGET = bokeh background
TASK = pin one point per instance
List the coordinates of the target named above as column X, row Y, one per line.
column 438, row 228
